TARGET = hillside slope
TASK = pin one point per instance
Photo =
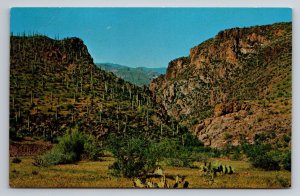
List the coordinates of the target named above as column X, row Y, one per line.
column 233, row 87
column 139, row 76
column 55, row 85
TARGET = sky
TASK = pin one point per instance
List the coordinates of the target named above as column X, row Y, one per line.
column 148, row 37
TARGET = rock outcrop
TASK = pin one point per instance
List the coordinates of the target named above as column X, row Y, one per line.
column 220, row 74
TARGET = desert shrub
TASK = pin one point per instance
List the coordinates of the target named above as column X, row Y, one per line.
column 190, row 141
column 267, row 161
column 233, row 152
column 176, row 162
column 282, row 181
column 134, row 156
column 194, row 121
column 16, row 160
column 228, row 136
column 137, row 156
column 260, row 137
column 286, row 138
column 72, row 147
column 237, row 117
column 259, row 155
column 13, row 135
column 286, row 161
column 265, row 157
column 179, row 155
column 70, row 106
column 34, row 172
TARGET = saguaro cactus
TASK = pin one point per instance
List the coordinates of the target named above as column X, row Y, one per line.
column 16, row 116
column 51, row 97
column 105, row 86
column 100, row 115
column 81, row 86
column 28, row 123
column 31, row 97
column 147, row 117
column 130, row 93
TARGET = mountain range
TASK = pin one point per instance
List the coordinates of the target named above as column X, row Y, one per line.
column 231, row 89
column 139, row 76
column 55, row 85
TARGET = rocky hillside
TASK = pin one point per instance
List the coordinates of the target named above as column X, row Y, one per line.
column 55, row 85
column 139, row 76
column 233, row 87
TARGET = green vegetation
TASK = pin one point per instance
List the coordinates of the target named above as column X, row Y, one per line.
column 92, row 174
column 266, row 157
column 137, row 156
column 72, row 147
column 134, row 157
column 54, row 85
column 16, row 160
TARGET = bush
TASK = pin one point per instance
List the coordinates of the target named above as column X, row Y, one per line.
column 287, row 164
column 72, row 147
column 194, row 121
column 267, row 161
column 190, row 141
column 263, row 156
column 176, row 154
column 16, row 160
column 283, row 182
column 134, row 156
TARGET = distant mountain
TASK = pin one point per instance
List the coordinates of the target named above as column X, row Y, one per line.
column 139, row 75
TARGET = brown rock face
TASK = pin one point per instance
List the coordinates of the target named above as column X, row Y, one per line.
column 226, row 108
column 221, row 73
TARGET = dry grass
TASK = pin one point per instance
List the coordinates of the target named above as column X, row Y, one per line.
column 96, row 174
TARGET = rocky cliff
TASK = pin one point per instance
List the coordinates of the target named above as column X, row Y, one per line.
column 232, row 87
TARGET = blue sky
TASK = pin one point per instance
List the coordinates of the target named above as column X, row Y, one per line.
column 149, row 37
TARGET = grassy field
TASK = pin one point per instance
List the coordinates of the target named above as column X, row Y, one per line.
column 95, row 174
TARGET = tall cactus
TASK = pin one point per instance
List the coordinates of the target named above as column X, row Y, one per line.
column 56, row 114
column 147, row 117
column 31, row 97
column 77, row 86
column 51, row 97
column 126, row 121
column 87, row 110
column 130, row 93
column 132, row 104
column 100, row 115
column 105, row 86
column 72, row 113
column 74, row 98
column 28, row 123
column 81, row 80
column 16, row 117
